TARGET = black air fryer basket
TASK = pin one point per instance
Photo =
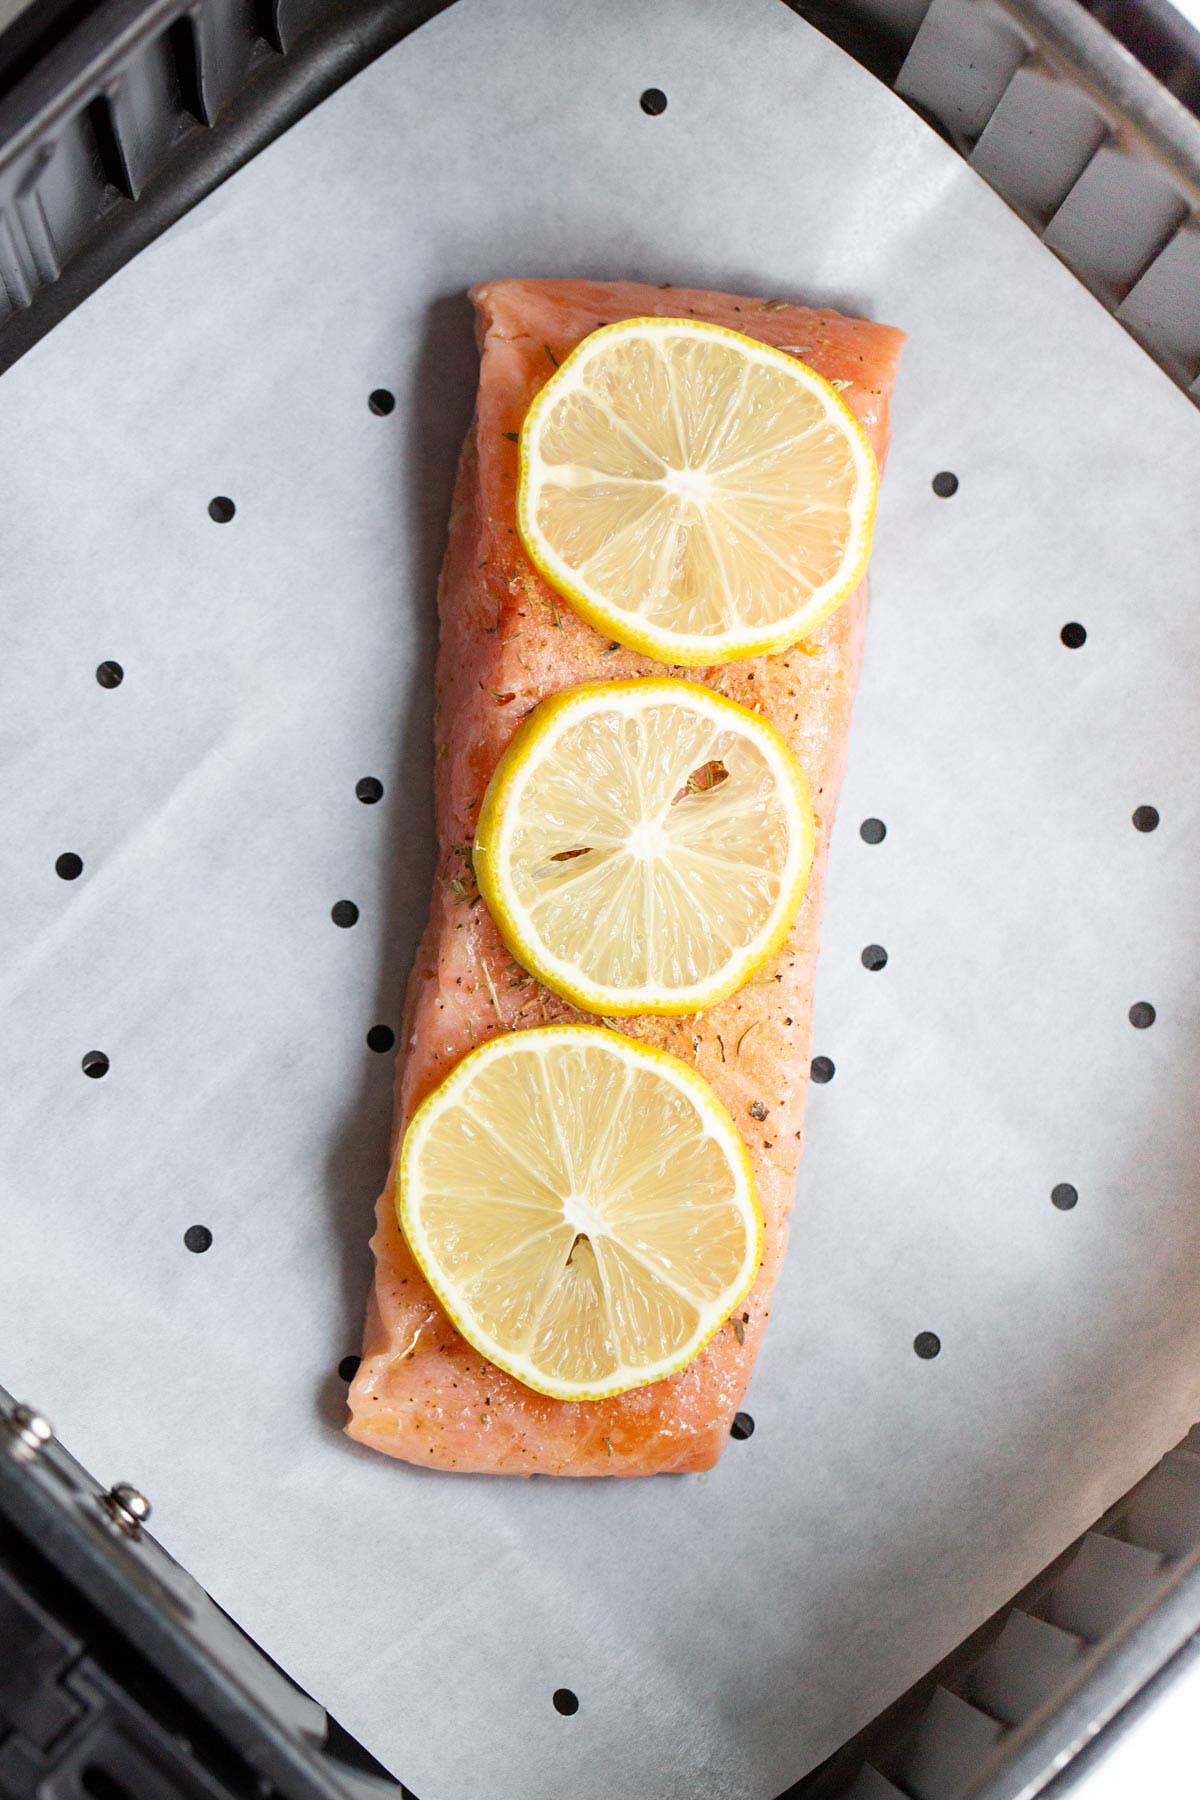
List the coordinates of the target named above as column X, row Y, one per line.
column 119, row 1678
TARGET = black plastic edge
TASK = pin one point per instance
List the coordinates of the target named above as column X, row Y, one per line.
column 1076, row 1775
column 281, row 89
column 114, row 1586
column 1101, row 1700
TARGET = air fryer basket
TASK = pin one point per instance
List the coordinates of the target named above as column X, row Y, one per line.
column 107, row 134
column 145, row 107
column 122, row 1680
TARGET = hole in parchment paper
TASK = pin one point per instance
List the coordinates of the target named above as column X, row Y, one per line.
column 872, row 831
column 874, row 957
column 1064, row 1196
column 382, row 402
column 1073, row 636
column 344, row 913
column 742, row 1427
column 110, row 674
column 95, row 1064
column 381, row 1038
column 348, row 1367
column 221, row 509
column 927, row 1344
column 1141, row 1015
column 822, row 1069
column 945, row 484
column 369, row 789
column 68, row 866
column 653, row 101
column 1145, row 818
column 197, row 1239
column 565, row 1702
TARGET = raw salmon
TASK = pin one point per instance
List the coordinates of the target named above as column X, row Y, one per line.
column 422, row 1393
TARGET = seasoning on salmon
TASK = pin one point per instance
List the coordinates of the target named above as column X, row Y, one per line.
column 507, row 641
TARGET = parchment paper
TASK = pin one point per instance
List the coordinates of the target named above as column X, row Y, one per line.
column 722, row 1633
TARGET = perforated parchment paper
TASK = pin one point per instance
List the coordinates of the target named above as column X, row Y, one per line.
column 722, row 1632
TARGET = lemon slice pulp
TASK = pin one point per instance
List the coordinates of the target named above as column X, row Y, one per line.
column 643, row 845
column 582, row 1206
column 694, row 493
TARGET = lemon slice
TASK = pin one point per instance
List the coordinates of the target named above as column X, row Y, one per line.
column 697, row 495
column 643, row 845
column 582, row 1206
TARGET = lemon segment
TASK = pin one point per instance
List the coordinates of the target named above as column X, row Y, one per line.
column 643, row 846
column 582, row 1206
column 695, row 494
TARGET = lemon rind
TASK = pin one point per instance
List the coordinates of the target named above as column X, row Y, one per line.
column 488, row 854
column 691, row 649
column 713, row 1111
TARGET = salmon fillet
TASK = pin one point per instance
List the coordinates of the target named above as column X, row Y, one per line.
column 507, row 641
